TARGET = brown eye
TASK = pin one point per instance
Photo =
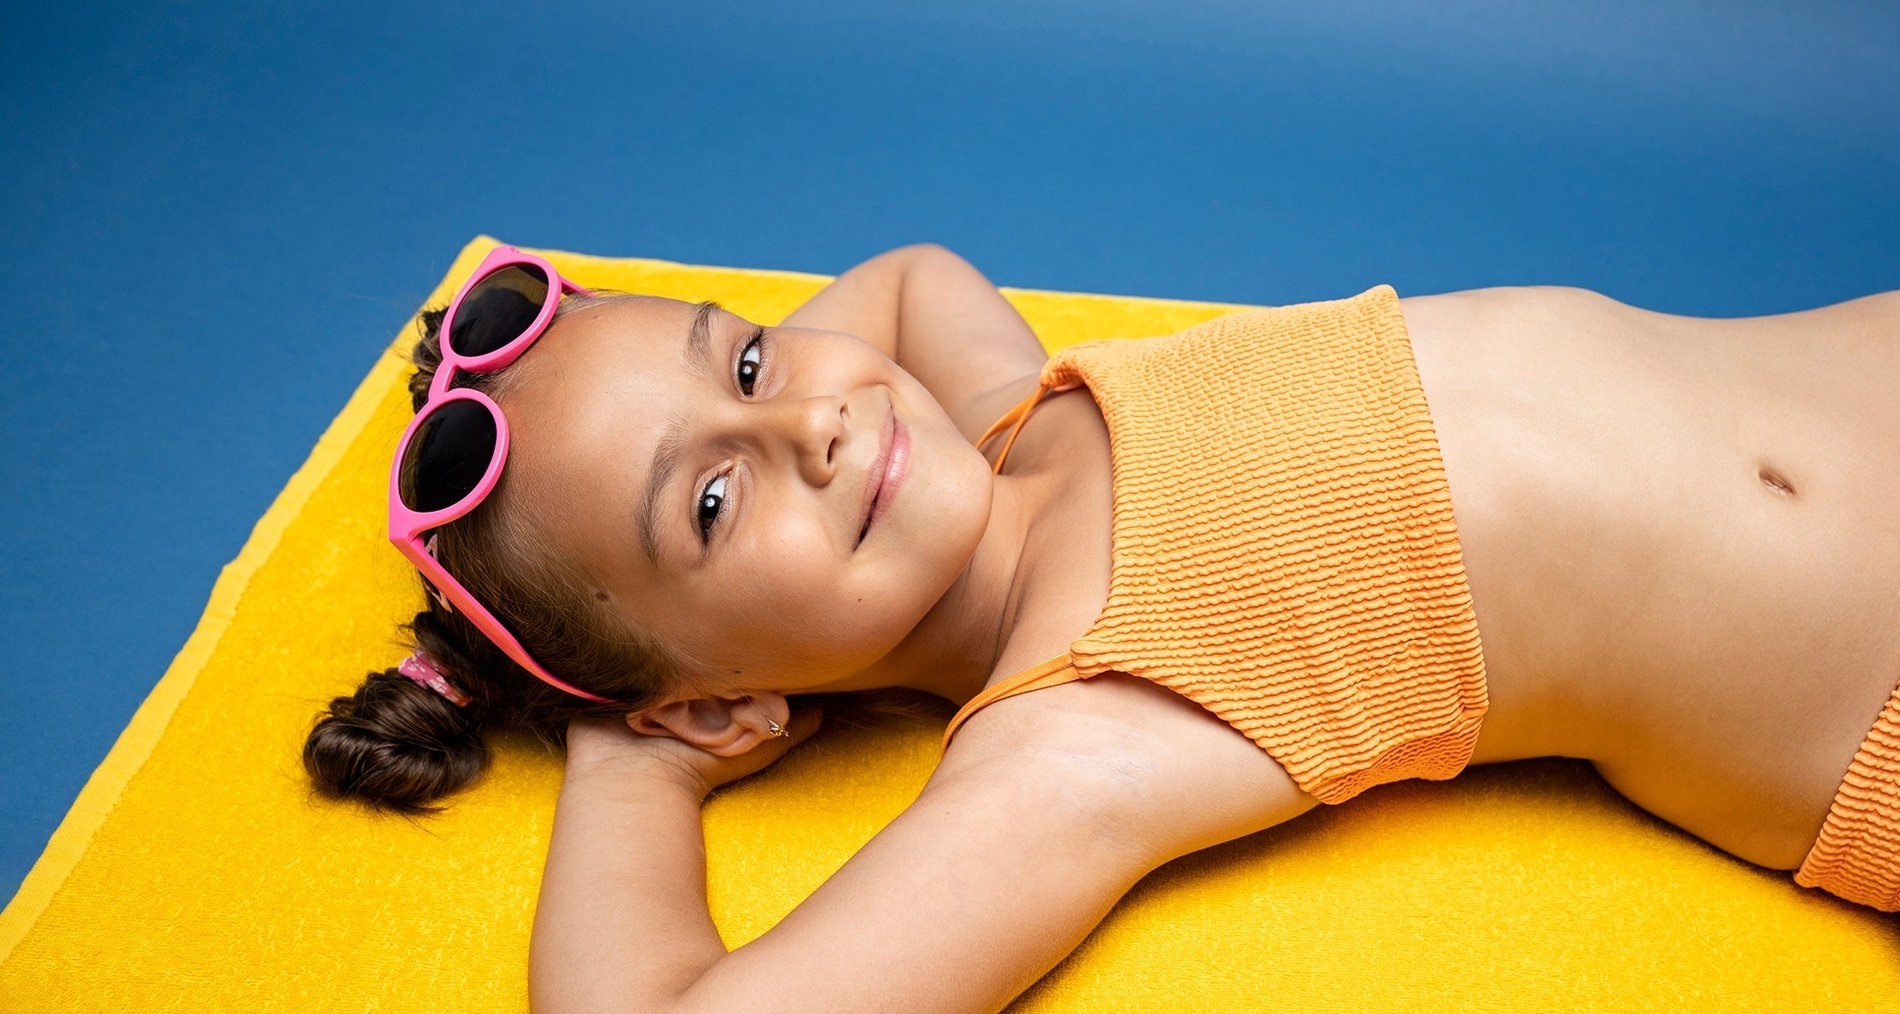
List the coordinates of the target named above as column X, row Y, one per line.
column 711, row 499
column 751, row 360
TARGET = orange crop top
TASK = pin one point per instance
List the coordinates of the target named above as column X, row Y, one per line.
column 1284, row 552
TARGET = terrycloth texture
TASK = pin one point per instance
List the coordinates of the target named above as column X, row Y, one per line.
column 1284, row 549
column 1857, row 855
column 195, row 873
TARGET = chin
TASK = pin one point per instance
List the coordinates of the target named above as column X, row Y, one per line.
column 944, row 528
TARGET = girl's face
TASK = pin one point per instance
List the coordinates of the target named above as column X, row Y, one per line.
column 712, row 480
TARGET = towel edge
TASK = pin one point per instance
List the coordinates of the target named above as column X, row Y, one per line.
column 73, row 837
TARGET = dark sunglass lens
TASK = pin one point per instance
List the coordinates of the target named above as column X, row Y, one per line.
column 498, row 310
column 448, row 456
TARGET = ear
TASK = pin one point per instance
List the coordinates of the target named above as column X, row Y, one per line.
column 726, row 726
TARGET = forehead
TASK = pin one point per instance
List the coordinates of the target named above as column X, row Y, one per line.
column 586, row 407
column 649, row 324
column 636, row 342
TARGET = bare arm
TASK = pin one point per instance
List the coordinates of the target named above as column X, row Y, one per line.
column 961, row 903
column 1049, row 807
column 940, row 319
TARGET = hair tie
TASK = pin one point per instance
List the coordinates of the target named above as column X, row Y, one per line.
column 421, row 668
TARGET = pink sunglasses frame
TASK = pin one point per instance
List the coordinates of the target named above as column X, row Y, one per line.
column 407, row 527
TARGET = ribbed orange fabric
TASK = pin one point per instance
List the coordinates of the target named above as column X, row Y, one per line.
column 1857, row 855
column 1284, row 551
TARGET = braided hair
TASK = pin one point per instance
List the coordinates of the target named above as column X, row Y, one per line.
column 397, row 745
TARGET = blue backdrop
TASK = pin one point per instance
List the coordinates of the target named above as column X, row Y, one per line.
column 214, row 216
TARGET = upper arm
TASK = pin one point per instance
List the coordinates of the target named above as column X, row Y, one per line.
column 939, row 318
column 977, row 889
column 1048, row 807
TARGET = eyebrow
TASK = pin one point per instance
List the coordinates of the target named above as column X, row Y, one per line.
column 672, row 444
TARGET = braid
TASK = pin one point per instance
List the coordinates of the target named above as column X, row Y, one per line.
column 397, row 745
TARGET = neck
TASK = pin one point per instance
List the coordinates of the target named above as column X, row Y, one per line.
column 953, row 651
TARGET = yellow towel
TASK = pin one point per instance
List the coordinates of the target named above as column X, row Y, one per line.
column 196, row 872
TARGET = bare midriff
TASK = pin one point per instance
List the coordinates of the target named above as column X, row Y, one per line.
column 1682, row 538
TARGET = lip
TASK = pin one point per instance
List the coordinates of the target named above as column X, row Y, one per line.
column 886, row 474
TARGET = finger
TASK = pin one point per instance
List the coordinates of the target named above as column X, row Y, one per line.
column 806, row 721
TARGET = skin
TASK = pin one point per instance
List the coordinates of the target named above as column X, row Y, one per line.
column 775, row 592
column 1682, row 539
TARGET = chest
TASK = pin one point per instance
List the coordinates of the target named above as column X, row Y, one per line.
column 1282, row 542
column 1067, row 557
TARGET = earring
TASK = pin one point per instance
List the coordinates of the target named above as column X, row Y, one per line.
column 777, row 729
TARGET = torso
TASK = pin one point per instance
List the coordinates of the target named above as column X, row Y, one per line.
column 1682, row 538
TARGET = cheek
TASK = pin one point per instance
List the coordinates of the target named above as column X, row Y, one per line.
column 787, row 598
column 949, row 507
column 792, row 605
column 784, row 550
column 782, row 574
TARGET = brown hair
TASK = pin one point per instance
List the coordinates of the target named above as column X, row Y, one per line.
column 397, row 745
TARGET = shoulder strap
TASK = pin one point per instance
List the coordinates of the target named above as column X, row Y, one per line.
column 1021, row 413
column 1014, row 420
column 1055, row 672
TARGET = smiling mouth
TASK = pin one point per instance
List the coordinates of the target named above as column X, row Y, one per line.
column 886, row 473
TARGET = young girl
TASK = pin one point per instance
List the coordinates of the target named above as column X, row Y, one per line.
column 1182, row 588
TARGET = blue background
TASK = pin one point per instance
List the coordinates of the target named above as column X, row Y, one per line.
column 215, row 216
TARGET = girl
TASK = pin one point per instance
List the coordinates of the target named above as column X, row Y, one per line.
column 1183, row 589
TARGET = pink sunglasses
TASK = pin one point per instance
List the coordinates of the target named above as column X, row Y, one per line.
column 451, row 455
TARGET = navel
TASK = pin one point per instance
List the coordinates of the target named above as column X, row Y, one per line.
column 1774, row 480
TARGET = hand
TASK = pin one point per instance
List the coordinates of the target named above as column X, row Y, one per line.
column 607, row 747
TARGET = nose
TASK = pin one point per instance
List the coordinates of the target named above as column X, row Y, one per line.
column 812, row 429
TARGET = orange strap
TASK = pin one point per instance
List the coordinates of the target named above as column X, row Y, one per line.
column 1055, row 672
column 1017, row 417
